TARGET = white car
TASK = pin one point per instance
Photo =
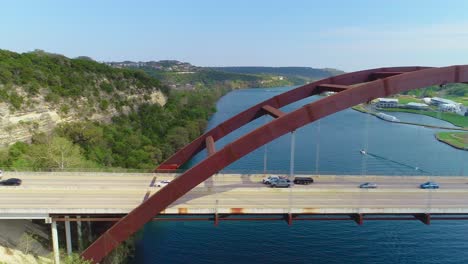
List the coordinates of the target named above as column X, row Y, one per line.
column 162, row 183
column 270, row 178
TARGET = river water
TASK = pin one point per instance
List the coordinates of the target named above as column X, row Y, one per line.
column 329, row 146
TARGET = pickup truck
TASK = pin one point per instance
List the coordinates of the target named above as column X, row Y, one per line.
column 303, row 180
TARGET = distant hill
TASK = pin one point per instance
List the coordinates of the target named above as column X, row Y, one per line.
column 305, row 73
column 183, row 75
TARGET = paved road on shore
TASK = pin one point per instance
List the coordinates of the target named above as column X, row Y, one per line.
column 88, row 193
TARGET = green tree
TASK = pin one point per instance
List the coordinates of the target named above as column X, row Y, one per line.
column 61, row 153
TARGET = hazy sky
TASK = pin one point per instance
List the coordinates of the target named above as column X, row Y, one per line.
column 345, row 34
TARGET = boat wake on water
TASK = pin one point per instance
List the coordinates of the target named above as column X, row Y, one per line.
column 364, row 152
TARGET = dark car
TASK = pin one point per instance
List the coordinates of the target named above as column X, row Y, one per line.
column 280, row 183
column 303, row 180
column 429, row 185
column 11, row 182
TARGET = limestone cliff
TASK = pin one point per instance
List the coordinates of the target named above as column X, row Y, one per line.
column 38, row 115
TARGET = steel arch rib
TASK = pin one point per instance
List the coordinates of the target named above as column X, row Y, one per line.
column 221, row 130
column 264, row 134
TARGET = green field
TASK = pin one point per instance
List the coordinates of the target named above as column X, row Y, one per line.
column 458, row 99
column 408, row 99
column 455, row 139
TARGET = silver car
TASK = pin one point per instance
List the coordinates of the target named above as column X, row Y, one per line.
column 368, row 185
column 280, row 183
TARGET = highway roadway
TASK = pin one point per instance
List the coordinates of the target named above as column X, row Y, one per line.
column 116, row 193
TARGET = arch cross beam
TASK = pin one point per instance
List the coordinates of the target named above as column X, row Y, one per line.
column 289, row 122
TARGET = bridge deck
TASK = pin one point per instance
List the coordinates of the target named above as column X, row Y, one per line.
column 112, row 193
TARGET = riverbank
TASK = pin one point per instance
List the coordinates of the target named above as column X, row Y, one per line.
column 457, row 140
column 22, row 241
column 364, row 110
column 452, row 139
column 25, row 241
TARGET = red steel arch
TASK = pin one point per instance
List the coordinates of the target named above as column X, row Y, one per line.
column 278, row 101
column 374, row 83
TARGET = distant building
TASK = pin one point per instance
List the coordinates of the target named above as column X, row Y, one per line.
column 463, row 110
column 417, row 106
column 446, row 105
column 438, row 101
column 449, row 108
column 387, row 102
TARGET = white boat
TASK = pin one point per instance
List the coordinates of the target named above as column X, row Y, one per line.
column 363, row 152
column 387, row 117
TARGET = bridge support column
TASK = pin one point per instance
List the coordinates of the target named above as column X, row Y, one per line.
column 293, row 146
column 90, row 233
column 79, row 234
column 357, row 218
column 216, row 219
column 425, row 218
column 55, row 244
column 289, row 218
column 68, row 236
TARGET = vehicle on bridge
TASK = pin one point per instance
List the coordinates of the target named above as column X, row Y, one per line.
column 368, row 185
column 11, row 182
column 162, row 183
column 303, row 180
column 429, row 185
column 280, row 183
column 271, row 178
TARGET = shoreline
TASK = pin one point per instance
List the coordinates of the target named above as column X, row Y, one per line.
column 365, row 111
column 440, row 139
column 360, row 108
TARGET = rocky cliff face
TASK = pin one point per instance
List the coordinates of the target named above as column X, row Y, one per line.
column 38, row 115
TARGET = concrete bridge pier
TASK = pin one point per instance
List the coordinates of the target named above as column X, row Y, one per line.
column 55, row 244
column 68, row 236
column 90, row 234
column 79, row 234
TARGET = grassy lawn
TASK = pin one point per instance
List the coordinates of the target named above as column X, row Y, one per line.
column 457, row 139
column 408, row 99
column 462, row 100
column 457, row 120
